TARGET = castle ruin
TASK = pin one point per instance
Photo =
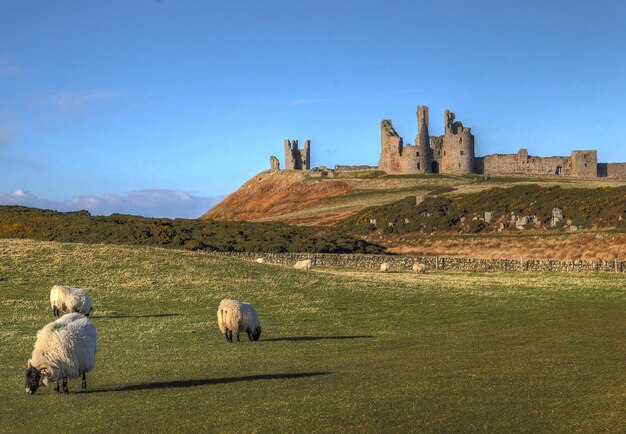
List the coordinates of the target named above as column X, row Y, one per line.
column 453, row 153
column 297, row 159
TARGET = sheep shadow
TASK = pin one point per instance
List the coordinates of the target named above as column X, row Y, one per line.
column 123, row 315
column 314, row 338
column 205, row 382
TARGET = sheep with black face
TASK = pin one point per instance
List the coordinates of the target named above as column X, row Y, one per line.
column 65, row 348
column 236, row 316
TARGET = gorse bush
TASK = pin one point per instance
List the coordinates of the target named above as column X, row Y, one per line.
column 581, row 207
column 46, row 225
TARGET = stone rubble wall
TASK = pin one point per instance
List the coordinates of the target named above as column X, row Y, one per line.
column 405, row 263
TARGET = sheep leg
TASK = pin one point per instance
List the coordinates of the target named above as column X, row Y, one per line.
column 55, row 311
column 238, row 338
column 83, row 385
column 249, row 336
column 65, row 389
column 56, row 386
column 229, row 336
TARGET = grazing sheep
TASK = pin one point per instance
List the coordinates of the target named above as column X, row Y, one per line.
column 66, row 299
column 420, row 268
column 236, row 316
column 385, row 267
column 65, row 348
column 305, row 264
column 260, row 260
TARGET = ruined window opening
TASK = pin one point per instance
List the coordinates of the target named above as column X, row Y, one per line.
column 417, row 154
column 461, row 152
column 435, row 167
column 558, row 170
column 418, row 166
column 444, row 152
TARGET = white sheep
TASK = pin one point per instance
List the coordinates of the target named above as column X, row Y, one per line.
column 260, row 260
column 305, row 264
column 67, row 299
column 236, row 316
column 65, row 348
column 420, row 268
column 385, row 267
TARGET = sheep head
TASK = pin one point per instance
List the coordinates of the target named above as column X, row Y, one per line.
column 35, row 378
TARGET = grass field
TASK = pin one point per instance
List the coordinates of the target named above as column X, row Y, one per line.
column 341, row 350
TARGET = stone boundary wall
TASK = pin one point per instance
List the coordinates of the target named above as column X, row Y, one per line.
column 358, row 168
column 405, row 263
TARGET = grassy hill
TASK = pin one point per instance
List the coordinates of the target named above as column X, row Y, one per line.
column 296, row 197
column 341, row 350
column 46, row 225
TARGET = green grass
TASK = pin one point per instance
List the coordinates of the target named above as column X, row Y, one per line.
column 340, row 351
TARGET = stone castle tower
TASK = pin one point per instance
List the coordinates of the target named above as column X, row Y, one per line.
column 453, row 152
column 458, row 147
column 297, row 159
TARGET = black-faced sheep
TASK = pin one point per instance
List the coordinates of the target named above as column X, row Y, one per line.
column 235, row 316
column 67, row 299
column 65, row 348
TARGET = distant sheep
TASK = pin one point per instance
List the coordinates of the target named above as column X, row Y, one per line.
column 385, row 267
column 66, row 299
column 236, row 316
column 305, row 264
column 260, row 260
column 420, row 268
column 65, row 348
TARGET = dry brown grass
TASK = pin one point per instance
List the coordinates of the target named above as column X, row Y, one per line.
column 587, row 246
column 293, row 197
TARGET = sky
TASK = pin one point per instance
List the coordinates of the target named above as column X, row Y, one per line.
column 161, row 108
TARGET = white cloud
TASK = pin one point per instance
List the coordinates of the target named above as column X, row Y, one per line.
column 147, row 203
column 73, row 100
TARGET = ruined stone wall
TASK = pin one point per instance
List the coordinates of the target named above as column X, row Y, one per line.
column 356, row 168
column 581, row 164
column 305, row 155
column 394, row 157
column 612, row 170
column 584, row 164
column 434, row 263
column 274, row 163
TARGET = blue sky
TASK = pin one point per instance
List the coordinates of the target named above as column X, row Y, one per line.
column 122, row 106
